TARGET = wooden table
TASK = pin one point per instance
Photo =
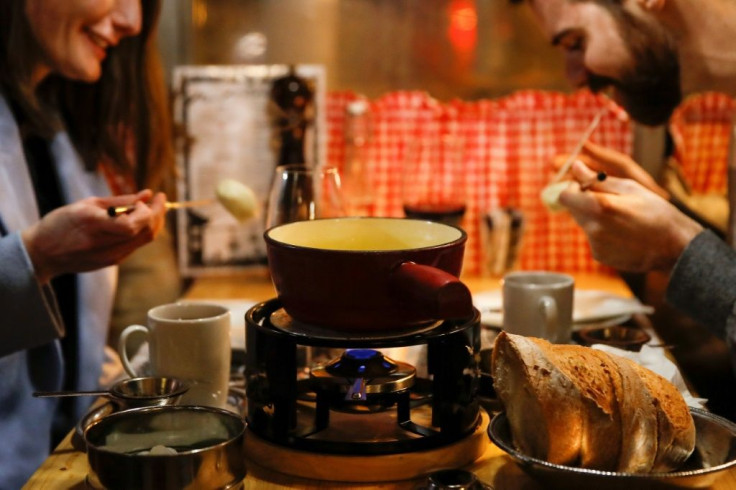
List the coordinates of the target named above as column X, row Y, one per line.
column 67, row 468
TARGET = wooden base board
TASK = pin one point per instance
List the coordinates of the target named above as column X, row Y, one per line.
column 379, row 468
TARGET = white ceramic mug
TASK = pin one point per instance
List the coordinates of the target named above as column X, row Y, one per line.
column 190, row 341
column 538, row 304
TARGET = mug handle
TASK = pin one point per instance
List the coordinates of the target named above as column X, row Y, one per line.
column 123, row 347
column 548, row 309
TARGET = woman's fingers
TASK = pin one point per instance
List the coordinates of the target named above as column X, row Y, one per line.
column 81, row 236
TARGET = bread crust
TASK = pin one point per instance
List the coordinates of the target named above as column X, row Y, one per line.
column 675, row 430
column 575, row 405
column 550, row 426
column 638, row 421
column 601, row 437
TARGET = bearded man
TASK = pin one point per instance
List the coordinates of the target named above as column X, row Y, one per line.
column 650, row 54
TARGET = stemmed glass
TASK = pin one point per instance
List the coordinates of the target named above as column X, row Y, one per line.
column 301, row 193
column 433, row 184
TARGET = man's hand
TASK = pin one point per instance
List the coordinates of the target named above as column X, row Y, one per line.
column 615, row 164
column 81, row 237
column 628, row 226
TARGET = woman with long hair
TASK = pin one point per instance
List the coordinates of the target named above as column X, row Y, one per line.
column 82, row 104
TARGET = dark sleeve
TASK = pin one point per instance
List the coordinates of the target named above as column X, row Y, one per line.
column 694, row 215
column 703, row 282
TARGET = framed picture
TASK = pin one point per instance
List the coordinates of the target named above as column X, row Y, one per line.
column 225, row 129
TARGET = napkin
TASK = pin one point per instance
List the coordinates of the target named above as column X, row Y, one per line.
column 655, row 359
column 591, row 305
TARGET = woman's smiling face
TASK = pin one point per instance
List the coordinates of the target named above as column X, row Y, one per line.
column 74, row 35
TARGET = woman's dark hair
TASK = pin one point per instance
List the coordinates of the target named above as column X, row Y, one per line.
column 121, row 120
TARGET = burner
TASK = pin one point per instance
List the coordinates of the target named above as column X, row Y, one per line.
column 361, row 363
column 358, row 373
column 360, row 401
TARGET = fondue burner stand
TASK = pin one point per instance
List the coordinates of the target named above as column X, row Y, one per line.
column 360, row 402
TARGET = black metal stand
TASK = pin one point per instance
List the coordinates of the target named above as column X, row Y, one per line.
column 296, row 413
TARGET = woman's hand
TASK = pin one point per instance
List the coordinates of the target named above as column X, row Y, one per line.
column 81, row 237
column 615, row 164
column 628, row 226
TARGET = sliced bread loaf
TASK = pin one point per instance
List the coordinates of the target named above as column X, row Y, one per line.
column 579, row 406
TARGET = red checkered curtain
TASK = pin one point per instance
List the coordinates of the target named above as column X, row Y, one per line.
column 538, row 126
column 507, row 148
column 701, row 128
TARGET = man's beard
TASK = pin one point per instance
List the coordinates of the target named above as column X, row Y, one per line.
column 650, row 90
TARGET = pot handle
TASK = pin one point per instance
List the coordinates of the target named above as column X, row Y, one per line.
column 437, row 293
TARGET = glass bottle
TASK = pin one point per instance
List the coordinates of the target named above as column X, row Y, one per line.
column 357, row 175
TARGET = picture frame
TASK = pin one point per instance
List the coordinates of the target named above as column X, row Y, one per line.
column 225, row 129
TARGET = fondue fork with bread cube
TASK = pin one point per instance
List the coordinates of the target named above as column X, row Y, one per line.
column 238, row 199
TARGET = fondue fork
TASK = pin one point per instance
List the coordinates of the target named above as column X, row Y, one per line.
column 113, row 211
column 579, row 146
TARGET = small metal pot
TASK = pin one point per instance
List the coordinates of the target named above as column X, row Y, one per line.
column 147, row 391
column 167, row 447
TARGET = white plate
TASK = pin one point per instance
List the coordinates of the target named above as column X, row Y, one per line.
column 590, row 306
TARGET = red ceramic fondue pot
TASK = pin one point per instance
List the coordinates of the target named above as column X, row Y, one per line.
column 369, row 274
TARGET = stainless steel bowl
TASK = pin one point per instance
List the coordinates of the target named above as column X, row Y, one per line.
column 148, row 391
column 168, row 447
column 715, row 453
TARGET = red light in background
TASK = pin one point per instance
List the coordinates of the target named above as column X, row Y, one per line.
column 463, row 29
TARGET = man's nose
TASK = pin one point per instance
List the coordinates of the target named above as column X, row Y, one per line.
column 575, row 69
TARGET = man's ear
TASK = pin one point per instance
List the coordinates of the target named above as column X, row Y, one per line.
column 652, row 5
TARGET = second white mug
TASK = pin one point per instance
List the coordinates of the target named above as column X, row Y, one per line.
column 538, row 304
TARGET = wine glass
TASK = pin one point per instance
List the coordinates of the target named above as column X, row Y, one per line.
column 433, row 184
column 301, row 193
